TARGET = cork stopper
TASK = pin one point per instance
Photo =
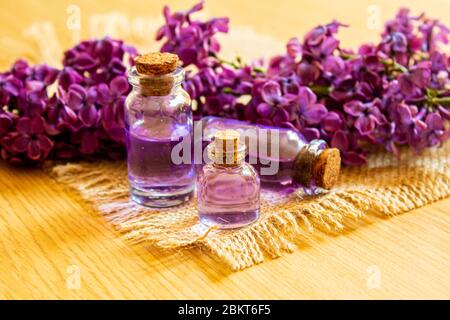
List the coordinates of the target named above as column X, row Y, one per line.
column 326, row 168
column 226, row 148
column 156, row 63
column 156, row 70
column 321, row 168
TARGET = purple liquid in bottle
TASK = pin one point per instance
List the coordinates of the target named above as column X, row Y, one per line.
column 159, row 129
column 228, row 196
column 150, row 165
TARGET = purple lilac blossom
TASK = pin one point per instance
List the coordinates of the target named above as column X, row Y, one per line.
column 392, row 93
column 81, row 116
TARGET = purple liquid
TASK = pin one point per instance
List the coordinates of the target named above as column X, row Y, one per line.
column 284, row 175
column 228, row 197
column 155, row 179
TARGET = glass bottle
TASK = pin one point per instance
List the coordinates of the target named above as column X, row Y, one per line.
column 158, row 118
column 228, row 189
column 293, row 159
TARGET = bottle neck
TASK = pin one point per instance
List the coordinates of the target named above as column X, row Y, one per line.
column 233, row 159
column 305, row 161
column 150, row 90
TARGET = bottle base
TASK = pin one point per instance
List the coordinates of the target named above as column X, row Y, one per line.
column 229, row 220
column 161, row 197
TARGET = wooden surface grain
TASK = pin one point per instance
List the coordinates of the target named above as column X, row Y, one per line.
column 53, row 246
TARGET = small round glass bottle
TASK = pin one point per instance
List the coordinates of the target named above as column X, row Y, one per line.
column 158, row 119
column 228, row 189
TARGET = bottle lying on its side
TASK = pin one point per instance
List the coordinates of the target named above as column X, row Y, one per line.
column 281, row 155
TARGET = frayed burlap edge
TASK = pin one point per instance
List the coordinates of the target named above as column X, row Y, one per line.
column 384, row 187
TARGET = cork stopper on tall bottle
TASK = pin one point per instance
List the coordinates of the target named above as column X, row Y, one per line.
column 157, row 71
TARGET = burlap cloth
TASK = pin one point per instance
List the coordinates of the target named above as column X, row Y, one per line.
column 384, row 187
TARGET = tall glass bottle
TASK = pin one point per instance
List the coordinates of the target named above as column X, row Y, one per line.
column 293, row 158
column 158, row 118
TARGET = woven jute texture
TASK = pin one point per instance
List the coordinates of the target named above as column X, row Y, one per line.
column 386, row 187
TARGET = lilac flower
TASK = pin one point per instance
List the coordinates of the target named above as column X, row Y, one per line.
column 412, row 127
column 97, row 61
column 347, row 145
column 290, row 83
column 309, row 72
column 399, row 38
column 335, row 66
column 310, row 110
column 349, row 88
column 272, row 98
column 31, row 100
column 203, row 83
column 30, row 138
column 219, row 104
column 60, row 117
column 44, row 73
column 80, row 61
column 113, row 100
column 9, row 86
column 294, row 48
column 192, row 40
column 69, row 76
column 436, row 133
column 444, row 112
column 368, row 115
column 239, row 81
column 367, row 68
column 320, row 42
column 396, row 42
column 6, row 123
column 332, row 122
column 386, row 135
column 21, row 69
column 82, row 101
column 413, row 82
column 87, row 139
column 433, row 33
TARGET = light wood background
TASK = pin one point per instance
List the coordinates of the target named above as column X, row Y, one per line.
column 52, row 246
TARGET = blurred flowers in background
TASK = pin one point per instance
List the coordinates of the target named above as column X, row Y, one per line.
column 393, row 93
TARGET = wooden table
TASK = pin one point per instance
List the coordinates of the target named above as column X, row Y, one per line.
column 53, row 246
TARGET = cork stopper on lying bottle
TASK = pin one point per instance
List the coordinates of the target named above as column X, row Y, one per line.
column 157, row 70
column 316, row 165
column 227, row 149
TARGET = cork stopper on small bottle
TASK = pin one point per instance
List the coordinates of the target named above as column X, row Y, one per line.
column 227, row 148
column 322, row 167
column 156, row 69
